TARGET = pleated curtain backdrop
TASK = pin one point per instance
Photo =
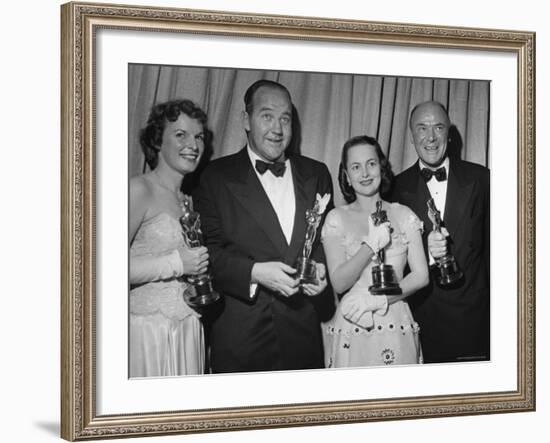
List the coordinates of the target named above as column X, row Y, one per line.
column 330, row 108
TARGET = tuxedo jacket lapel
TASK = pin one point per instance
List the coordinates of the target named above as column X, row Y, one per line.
column 423, row 195
column 416, row 196
column 459, row 192
column 250, row 193
column 303, row 191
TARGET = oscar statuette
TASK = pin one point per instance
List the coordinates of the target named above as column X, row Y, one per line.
column 306, row 268
column 448, row 270
column 384, row 280
column 203, row 293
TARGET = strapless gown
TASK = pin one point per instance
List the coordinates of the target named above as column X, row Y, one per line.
column 166, row 335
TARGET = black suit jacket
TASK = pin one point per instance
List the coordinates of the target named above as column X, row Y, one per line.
column 454, row 321
column 268, row 332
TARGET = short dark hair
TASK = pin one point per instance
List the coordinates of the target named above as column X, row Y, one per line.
column 385, row 168
column 434, row 103
column 249, row 94
column 150, row 136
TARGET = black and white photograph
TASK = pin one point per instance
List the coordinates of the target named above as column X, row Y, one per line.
column 276, row 221
column 284, row 220
column 273, row 220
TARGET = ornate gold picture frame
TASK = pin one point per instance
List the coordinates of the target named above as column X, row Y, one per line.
column 80, row 419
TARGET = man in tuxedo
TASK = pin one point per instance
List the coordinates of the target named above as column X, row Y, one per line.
column 253, row 207
column 454, row 319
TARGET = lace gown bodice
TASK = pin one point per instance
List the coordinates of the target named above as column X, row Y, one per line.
column 159, row 234
column 157, row 237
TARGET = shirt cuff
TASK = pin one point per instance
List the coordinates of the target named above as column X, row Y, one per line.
column 431, row 260
column 253, row 288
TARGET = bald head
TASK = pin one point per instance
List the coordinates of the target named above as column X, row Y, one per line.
column 430, row 106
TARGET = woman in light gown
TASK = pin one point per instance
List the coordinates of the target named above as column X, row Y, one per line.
column 166, row 335
column 367, row 329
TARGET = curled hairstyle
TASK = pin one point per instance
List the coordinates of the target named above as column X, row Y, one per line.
column 150, row 136
column 385, row 168
column 249, row 94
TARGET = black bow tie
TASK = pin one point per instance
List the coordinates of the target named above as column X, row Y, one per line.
column 440, row 174
column 276, row 168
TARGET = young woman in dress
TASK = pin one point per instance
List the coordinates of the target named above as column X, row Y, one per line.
column 166, row 335
column 371, row 329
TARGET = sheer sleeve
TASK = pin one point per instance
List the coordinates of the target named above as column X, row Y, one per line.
column 332, row 227
column 410, row 225
column 150, row 267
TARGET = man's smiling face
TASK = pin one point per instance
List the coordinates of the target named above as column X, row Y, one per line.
column 430, row 133
column 269, row 124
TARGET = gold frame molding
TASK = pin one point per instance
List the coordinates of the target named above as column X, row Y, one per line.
column 79, row 21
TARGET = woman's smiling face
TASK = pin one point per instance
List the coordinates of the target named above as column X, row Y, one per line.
column 363, row 169
column 182, row 144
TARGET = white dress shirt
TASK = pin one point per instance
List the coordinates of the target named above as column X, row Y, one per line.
column 438, row 191
column 280, row 191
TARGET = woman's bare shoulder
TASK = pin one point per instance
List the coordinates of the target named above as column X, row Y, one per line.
column 141, row 192
column 140, row 186
column 339, row 213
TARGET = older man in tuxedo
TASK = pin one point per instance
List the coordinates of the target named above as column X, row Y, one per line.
column 454, row 319
column 253, row 206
